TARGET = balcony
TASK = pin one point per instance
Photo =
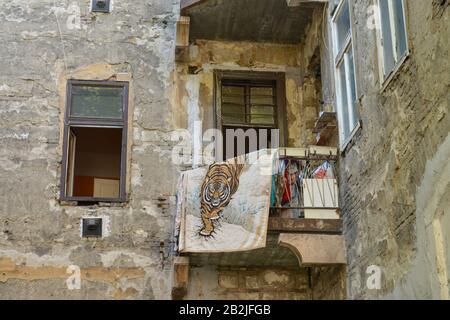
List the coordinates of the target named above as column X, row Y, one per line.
column 304, row 227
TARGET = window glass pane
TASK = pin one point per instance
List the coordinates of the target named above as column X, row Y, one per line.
column 261, row 96
column 233, row 118
column 386, row 32
column 343, row 101
column 400, row 28
column 262, row 115
column 333, row 5
column 97, row 102
column 233, row 95
column 233, row 104
column 353, row 103
column 343, row 26
column 233, row 113
column 228, row 108
column 248, row 104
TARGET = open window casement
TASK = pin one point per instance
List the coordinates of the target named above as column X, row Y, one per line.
column 71, row 163
column 392, row 35
column 345, row 78
column 95, row 142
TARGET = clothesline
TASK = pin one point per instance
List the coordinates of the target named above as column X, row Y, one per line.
column 287, row 183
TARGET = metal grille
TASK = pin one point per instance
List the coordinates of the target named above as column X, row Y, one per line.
column 249, row 103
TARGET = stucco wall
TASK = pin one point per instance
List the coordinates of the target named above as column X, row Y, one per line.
column 383, row 171
column 196, row 91
column 395, row 205
column 44, row 44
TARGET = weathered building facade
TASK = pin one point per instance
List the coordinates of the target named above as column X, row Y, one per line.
column 161, row 62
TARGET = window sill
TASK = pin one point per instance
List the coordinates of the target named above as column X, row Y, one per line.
column 386, row 82
column 348, row 144
column 84, row 201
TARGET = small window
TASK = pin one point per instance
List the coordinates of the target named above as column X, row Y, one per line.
column 95, row 142
column 250, row 101
column 344, row 73
column 393, row 39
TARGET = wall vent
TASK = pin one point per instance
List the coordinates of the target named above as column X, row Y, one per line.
column 101, row 6
column 92, row 227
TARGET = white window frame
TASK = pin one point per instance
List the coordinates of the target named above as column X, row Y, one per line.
column 339, row 58
column 387, row 76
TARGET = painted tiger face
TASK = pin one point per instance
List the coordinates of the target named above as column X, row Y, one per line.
column 217, row 192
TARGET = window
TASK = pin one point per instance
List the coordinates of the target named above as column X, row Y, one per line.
column 393, row 40
column 247, row 101
column 333, row 5
column 344, row 73
column 95, row 142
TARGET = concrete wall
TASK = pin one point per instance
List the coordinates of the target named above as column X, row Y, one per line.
column 209, row 282
column 265, row 283
column 196, row 91
column 49, row 42
column 393, row 176
column 42, row 47
column 302, row 65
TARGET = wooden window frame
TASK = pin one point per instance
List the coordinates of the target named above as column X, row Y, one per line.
column 89, row 122
column 280, row 92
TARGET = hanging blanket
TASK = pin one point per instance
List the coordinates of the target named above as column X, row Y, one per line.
column 225, row 207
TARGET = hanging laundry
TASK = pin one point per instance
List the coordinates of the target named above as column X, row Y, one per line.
column 273, row 193
column 323, row 171
column 287, row 188
column 291, row 175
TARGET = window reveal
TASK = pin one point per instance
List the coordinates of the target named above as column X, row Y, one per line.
column 95, row 141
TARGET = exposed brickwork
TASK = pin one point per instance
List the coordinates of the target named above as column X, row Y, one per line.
column 402, row 128
column 260, row 283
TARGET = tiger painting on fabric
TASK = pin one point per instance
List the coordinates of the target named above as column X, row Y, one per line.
column 219, row 185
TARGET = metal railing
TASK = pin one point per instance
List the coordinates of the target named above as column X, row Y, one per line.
column 306, row 184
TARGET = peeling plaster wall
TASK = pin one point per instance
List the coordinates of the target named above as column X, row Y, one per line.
column 209, row 282
column 386, row 185
column 44, row 43
column 52, row 41
column 266, row 283
column 197, row 90
column 432, row 226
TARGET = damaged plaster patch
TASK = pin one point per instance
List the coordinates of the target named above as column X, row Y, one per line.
column 10, row 165
column 150, row 208
column 110, row 258
column 32, row 35
column 13, row 12
column 435, row 185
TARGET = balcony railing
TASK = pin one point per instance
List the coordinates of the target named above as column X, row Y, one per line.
column 306, row 184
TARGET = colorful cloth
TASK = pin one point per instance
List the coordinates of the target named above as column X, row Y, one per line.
column 225, row 207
